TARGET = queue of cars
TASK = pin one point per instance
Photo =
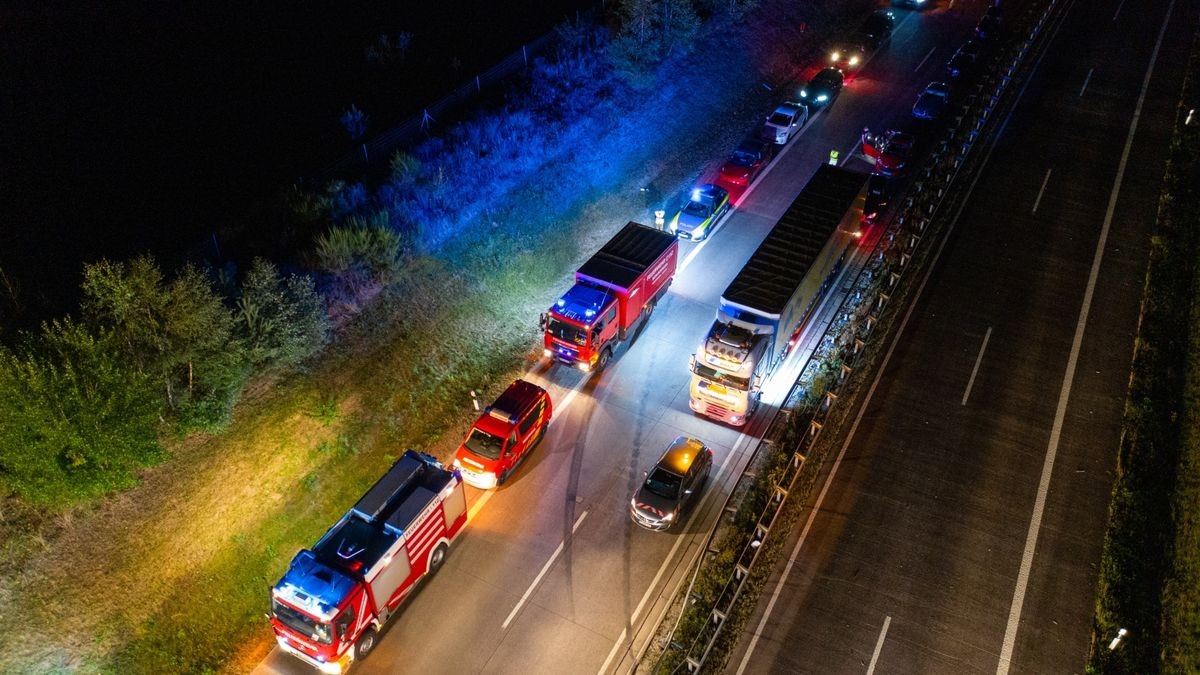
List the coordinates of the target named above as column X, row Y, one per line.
column 508, row 429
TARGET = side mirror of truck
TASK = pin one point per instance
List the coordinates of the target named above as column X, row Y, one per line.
column 645, row 474
column 543, row 321
column 595, row 335
column 692, row 362
column 758, row 381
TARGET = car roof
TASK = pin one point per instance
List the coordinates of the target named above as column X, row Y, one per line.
column 788, row 108
column 828, row 73
column 710, row 190
column 680, row 454
column 507, row 410
column 751, row 145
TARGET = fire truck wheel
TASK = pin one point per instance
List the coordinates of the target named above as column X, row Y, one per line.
column 365, row 644
column 437, row 558
column 604, row 358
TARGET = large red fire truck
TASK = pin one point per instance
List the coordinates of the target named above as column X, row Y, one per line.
column 614, row 292
column 330, row 605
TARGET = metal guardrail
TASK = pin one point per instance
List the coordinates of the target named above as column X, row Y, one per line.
column 853, row 323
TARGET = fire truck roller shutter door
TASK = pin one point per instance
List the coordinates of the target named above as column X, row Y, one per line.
column 454, row 505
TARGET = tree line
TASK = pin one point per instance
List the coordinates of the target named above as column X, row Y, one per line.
column 83, row 400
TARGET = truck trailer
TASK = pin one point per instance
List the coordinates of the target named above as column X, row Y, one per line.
column 768, row 302
column 330, row 605
column 614, row 293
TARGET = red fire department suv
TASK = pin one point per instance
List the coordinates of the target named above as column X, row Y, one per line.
column 504, row 435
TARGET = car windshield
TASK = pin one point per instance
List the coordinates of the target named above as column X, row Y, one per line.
column 823, row 80
column 742, row 158
column 664, row 483
column 566, row 332
column 714, row 375
column 484, row 444
column 779, row 119
column 698, row 209
column 303, row 624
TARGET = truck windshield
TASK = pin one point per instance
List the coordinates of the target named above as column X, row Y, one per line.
column 566, row 332
column 303, row 624
column 484, row 444
column 720, row 377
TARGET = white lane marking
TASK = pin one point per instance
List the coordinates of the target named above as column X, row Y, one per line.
column 951, row 5
column 879, row 645
column 1085, row 81
column 670, row 557
column 924, row 59
column 1039, row 505
column 545, row 568
column 851, row 153
column 875, row 385
column 1119, row 6
column 558, row 410
column 978, row 359
column 1038, row 200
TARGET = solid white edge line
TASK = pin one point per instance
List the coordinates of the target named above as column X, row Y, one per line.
column 978, row 359
column 545, row 568
column 1085, row 81
column 1038, row 199
column 887, row 621
column 1039, row 506
column 1119, row 6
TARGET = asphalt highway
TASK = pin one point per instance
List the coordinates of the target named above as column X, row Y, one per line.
column 551, row 576
column 962, row 529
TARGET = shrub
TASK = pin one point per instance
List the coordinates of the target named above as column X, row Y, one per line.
column 178, row 333
column 75, row 420
column 281, row 321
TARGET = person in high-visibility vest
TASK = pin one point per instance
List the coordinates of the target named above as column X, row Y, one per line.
column 833, row 157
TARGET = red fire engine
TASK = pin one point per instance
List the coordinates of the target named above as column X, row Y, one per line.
column 328, row 608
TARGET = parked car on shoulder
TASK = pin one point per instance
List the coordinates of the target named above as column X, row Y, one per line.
column 988, row 28
column 932, row 102
column 744, row 165
column 504, row 435
column 888, row 150
column 670, row 488
column 878, row 27
column 958, row 65
column 823, row 88
column 971, row 48
column 849, row 53
column 705, row 206
column 787, row 120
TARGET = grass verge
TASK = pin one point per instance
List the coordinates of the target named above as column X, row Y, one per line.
column 1149, row 582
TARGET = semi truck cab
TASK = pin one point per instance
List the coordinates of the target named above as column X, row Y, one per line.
column 728, row 371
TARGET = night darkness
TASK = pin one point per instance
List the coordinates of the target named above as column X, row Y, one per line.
column 149, row 128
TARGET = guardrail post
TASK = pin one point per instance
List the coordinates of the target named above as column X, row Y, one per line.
column 814, row 427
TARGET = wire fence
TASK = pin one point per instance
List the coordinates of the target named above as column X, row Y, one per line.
column 382, row 146
column 845, row 340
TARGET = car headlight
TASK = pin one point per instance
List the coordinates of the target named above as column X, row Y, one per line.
column 823, row 97
column 669, row 517
column 854, row 60
column 804, row 92
column 834, row 56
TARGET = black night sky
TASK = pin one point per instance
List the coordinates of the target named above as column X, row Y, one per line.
column 133, row 127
